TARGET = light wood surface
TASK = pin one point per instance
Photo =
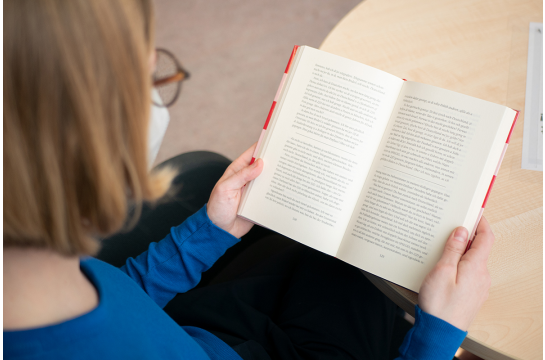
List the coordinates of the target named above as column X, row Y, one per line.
column 478, row 48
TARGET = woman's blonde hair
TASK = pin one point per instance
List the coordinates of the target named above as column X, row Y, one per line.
column 77, row 96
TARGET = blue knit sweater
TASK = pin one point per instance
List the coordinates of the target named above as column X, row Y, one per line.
column 129, row 322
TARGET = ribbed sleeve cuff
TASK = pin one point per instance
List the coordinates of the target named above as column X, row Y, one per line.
column 431, row 338
column 175, row 264
column 201, row 223
column 201, row 239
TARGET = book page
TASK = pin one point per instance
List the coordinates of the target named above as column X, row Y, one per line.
column 431, row 174
column 326, row 130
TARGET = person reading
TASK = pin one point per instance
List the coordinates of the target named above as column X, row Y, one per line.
column 77, row 98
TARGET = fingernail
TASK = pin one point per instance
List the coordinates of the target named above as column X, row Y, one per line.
column 255, row 162
column 460, row 234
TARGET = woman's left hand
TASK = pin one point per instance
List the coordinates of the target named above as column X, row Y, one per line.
column 225, row 198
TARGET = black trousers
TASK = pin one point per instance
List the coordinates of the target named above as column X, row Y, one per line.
column 268, row 297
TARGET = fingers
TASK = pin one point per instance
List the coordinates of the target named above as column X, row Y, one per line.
column 240, row 178
column 482, row 244
column 455, row 247
column 242, row 161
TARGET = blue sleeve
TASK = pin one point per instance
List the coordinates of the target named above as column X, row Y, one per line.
column 174, row 264
column 430, row 338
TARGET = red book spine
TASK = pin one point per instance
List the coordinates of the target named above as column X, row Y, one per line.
column 472, row 235
column 280, row 87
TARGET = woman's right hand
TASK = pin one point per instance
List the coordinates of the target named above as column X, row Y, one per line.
column 458, row 285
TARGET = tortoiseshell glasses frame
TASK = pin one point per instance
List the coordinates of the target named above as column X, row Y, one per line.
column 167, row 77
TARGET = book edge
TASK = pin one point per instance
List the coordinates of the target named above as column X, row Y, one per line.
column 266, row 125
column 474, row 230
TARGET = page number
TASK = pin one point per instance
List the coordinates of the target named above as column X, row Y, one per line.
column 294, row 219
column 381, row 255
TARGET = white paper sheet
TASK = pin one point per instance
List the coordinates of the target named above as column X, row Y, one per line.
column 532, row 143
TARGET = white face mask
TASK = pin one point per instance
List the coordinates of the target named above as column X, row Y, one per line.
column 159, row 119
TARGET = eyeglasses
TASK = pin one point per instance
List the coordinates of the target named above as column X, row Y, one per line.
column 167, row 77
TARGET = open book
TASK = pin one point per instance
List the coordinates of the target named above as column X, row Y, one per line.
column 372, row 169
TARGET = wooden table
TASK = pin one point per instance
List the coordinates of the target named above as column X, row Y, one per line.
column 478, row 48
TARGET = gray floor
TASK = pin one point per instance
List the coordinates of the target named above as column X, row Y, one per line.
column 236, row 52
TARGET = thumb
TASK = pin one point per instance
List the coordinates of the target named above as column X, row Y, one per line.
column 241, row 177
column 455, row 247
